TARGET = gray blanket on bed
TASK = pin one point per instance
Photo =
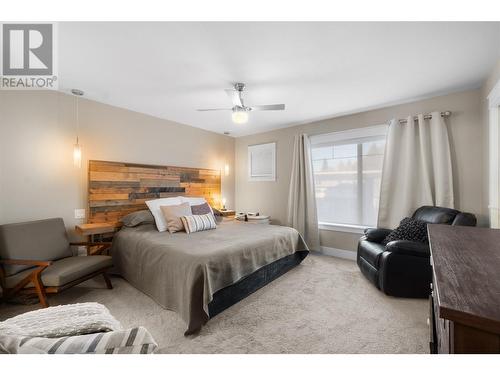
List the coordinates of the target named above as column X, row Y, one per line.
column 181, row 272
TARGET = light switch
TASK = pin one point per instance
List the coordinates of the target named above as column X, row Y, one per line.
column 79, row 213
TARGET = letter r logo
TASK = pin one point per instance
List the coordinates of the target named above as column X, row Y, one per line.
column 27, row 49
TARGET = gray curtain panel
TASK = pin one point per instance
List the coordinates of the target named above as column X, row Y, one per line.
column 417, row 169
column 302, row 213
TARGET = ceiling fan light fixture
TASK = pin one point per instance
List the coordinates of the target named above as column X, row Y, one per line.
column 240, row 111
column 239, row 116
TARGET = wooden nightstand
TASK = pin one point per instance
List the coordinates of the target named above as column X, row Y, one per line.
column 261, row 219
column 95, row 229
column 226, row 213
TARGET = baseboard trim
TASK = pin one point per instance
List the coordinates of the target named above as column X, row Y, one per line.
column 339, row 253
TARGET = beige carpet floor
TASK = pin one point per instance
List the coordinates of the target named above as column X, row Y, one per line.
column 322, row 306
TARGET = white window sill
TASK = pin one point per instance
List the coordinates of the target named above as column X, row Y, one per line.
column 348, row 228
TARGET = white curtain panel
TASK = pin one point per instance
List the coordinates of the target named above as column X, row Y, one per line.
column 302, row 213
column 417, row 169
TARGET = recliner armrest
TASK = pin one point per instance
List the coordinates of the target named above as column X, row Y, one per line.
column 376, row 234
column 405, row 247
column 465, row 219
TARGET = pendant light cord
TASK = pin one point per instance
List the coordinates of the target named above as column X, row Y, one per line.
column 77, row 121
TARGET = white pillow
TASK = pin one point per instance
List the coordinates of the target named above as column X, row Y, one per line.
column 154, row 207
column 195, row 201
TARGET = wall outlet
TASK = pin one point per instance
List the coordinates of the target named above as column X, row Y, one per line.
column 79, row 213
column 81, row 251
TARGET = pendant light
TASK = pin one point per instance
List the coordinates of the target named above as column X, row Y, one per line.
column 77, row 149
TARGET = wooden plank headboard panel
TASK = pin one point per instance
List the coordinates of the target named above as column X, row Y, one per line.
column 117, row 189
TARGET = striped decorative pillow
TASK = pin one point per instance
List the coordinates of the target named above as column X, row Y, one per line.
column 197, row 223
column 131, row 341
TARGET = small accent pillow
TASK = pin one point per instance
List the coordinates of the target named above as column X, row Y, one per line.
column 198, row 223
column 409, row 229
column 173, row 216
column 201, row 209
column 137, row 218
column 194, row 201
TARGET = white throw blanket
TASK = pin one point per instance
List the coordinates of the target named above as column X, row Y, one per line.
column 60, row 321
column 77, row 328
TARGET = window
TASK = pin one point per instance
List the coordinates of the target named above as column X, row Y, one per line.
column 347, row 169
column 262, row 162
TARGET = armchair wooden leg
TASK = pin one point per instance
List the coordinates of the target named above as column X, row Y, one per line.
column 107, row 280
column 40, row 289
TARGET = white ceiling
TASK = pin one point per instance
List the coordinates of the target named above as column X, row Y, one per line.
column 318, row 70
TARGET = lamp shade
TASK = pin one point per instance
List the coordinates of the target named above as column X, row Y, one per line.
column 240, row 116
column 77, row 155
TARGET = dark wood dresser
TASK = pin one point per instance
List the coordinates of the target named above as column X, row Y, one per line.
column 465, row 298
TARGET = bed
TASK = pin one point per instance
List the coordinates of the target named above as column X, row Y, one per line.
column 198, row 275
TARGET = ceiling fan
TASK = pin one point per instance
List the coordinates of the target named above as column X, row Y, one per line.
column 240, row 111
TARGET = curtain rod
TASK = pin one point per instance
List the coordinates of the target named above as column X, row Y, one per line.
column 426, row 117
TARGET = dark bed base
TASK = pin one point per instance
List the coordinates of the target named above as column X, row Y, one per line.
column 234, row 293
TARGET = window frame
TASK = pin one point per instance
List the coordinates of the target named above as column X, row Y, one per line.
column 352, row 136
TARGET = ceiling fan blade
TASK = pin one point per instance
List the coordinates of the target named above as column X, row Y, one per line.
column 214, row 109
column 270, row 107
column 235, row 97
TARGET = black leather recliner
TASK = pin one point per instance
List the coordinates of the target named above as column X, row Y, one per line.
column 402, row 268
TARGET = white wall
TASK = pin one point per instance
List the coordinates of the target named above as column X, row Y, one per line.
column 488, row 85
column 37, row 133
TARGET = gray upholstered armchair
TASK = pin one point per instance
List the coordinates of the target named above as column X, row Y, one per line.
column 36, row 257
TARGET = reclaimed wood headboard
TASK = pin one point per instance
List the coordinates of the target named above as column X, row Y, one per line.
column 117, row 189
